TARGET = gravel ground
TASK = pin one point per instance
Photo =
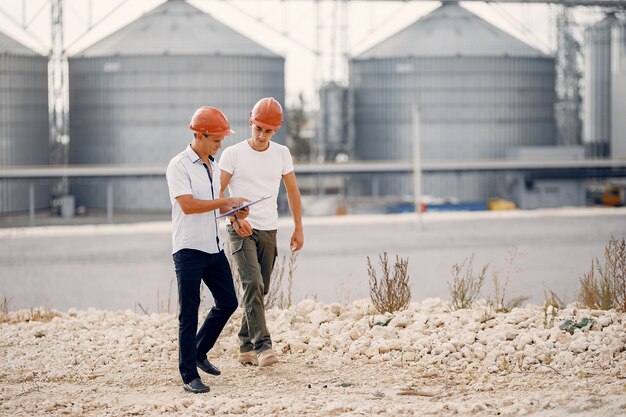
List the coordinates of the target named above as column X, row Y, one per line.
column 334, row 360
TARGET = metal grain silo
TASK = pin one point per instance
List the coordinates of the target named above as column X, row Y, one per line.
column 333, row 129
column 618, row 89
column 597, row 100
column 132, row 95
column 478, row 90
column 24, row 134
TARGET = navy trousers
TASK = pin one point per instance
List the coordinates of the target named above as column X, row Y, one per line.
column 193, row 267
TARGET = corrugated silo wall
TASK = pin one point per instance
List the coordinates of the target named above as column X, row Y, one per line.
column 597, row 99
column 618, row 90
column 470, row 109
column 24, row 134
column 136, row 111
column 334, row 121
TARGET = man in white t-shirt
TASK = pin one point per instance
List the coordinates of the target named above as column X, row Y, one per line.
column 193, row 180
column 253, row 169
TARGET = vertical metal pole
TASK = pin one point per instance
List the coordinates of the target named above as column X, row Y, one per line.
column 417, row 167
column 110, row 201
column 31, row 203
column 344, row 42
column 58, row 96
column 318, row 82
column 89, row 14
column 567, row 107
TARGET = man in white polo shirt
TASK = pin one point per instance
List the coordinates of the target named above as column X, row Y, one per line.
column 193, row 180
column 253, row 169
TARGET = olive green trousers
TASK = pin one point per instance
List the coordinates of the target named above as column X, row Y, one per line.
column 254, row 257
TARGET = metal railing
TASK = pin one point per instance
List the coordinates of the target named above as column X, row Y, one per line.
column 578, row 168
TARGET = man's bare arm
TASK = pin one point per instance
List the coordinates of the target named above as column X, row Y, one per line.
column 190, row 205
column 295, row 206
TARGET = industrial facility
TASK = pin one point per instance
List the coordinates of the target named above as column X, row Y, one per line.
column 448, row 94
column 471, row 91
column 132, row 95
column 23, row 123
column 605, row 57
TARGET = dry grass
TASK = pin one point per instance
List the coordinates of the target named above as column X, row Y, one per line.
column 466, row 284
column 499, row 303
column 277, row 296
column 165, row 306
column 550, row 298
column 604, row 287
column 41, row 314
column 391, row 292
column 552, row 303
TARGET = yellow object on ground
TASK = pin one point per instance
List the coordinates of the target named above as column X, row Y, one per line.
column 500, row 204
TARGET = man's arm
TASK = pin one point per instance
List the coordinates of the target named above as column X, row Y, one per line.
column 295, row 205
column 241, row 226
column 224, row 181
column 179, row 185
column 190, row 205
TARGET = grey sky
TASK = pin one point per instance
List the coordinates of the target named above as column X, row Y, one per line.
column 286, row 27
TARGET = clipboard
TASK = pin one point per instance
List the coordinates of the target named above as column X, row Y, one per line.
column 235, row 210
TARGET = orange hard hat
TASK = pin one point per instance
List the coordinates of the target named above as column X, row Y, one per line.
column 210, row 121
column 267, row 113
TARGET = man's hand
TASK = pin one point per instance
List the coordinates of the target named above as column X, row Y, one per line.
column 297, row 240
column 242, row 227
column 243, row 213
column 234, row 202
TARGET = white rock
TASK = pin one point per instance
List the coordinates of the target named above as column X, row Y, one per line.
column 467, row 352
column 317, row 343
column 579, row 345
column 601, row 322
column 316, row 317
column 432, row 304
column 304, row 307
column 479, row 352
column 297, row 347
column 383, row 332
column 464, row 338
column 605, row 357
column 335, row 308
column 371, row 351
column 354, row 333
column 510, row 333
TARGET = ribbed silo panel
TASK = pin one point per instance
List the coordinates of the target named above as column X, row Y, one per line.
column 597, row 99
column 470, row 109
column 135, row 110
column 23, row 127
column 618, row 88
column 333, row 130
column 618, row 47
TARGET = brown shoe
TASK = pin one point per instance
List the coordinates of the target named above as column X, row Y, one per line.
column 248, row 358
column 267, row 357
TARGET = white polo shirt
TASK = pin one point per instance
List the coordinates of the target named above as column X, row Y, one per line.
column 187, row 174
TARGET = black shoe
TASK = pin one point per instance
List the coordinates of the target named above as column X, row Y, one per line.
column 208, row 367
column 196, row 386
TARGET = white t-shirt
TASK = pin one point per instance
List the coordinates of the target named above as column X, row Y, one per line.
column 186, row 174
column 256, row 174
